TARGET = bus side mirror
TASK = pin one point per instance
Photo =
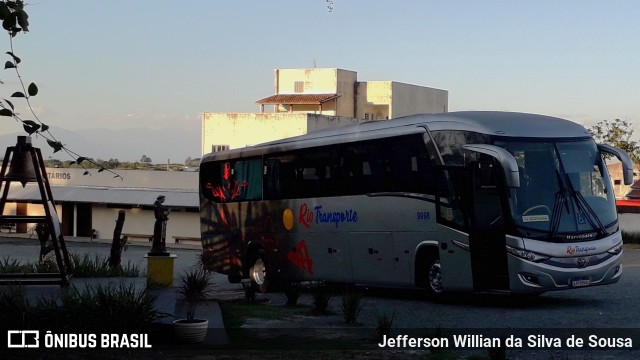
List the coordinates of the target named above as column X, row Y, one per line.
column 627, row 163
column 505, row 159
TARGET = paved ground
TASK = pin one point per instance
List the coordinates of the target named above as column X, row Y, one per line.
column 605, row 306
column 26, row 250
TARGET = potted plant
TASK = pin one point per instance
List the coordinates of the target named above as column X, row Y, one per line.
column 194, row 286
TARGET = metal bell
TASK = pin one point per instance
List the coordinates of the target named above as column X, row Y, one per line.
column 21, row 168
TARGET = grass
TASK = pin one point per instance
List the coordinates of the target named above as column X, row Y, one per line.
column 236, row 313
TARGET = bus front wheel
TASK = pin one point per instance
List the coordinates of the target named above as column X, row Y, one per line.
column 432, row 278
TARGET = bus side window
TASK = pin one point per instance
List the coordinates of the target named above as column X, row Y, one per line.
column 280, row 178
column 450, row 206
column 349, row 172
column 211, row 180
column 272, row 183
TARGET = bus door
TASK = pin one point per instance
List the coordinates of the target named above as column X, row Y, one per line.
column 453, row 235
column 487, row 234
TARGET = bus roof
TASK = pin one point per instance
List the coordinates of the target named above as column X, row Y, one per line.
column 507, row 124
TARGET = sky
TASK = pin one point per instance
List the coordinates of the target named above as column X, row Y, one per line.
column 160, row 64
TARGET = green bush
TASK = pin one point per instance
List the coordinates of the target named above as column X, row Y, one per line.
column 83, row 265
column 384, row 326
column 93, row 309
column 631, row 237
column 351, row 306
column 321, row 298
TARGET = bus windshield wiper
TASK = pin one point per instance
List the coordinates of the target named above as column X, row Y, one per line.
column 560, row 201
column 584, row 207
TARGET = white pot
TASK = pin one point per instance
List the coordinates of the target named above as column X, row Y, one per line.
column 190, row 332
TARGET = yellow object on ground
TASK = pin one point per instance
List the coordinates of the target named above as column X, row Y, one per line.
column 160, row 270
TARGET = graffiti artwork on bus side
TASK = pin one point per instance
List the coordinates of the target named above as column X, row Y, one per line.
column 299, row 256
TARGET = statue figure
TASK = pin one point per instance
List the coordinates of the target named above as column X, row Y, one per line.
column 158, row 246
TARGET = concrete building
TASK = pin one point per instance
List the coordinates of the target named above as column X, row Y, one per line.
column 308, row 99
column 85, row 203
column 615, row 172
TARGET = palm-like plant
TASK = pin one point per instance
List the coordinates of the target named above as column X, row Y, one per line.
column 195, row 286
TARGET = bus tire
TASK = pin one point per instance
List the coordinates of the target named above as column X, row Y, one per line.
column 258, row 271
column 432, row 278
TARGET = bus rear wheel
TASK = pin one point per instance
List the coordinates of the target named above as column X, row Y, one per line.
column 258, row 272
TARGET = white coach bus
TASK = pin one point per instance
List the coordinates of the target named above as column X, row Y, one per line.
column 461, row 201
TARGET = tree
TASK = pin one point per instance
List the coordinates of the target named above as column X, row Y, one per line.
column 145, row 159
column 15, row 20
column 617, row 133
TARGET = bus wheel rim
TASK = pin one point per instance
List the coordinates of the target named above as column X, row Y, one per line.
column 258, row 272
column 435, row 277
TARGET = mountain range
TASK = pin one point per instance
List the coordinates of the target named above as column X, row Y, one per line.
column 173, row 144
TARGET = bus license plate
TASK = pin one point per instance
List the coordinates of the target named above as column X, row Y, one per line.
column 580, row 282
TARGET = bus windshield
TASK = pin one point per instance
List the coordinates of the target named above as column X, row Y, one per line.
column 565, row 193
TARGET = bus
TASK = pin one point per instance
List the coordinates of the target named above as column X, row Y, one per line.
column 454, row 202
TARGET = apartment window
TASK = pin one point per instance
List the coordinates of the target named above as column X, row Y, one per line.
column 298, row 86
column 216, row 148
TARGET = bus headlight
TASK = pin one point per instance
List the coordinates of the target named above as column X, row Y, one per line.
column 615, row 250
column 527, row 255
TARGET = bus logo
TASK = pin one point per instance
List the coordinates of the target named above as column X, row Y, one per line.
column 305, row 217
column 582, row 262
column 23, row 338
column 579, row 249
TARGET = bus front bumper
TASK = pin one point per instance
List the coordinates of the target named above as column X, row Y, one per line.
column 562, row 273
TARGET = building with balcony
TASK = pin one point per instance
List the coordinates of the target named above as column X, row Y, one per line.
column 308, row 99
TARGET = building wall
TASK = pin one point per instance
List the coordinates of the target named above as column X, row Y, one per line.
column 129, row 178
column 380, row 100
column 238, row 130
column 347, row 81
column 615, row 172
column 138, row 220
column 319, row 122
column 373, row 98
column 141, row 221
column 410, row 99
column 318, row 81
